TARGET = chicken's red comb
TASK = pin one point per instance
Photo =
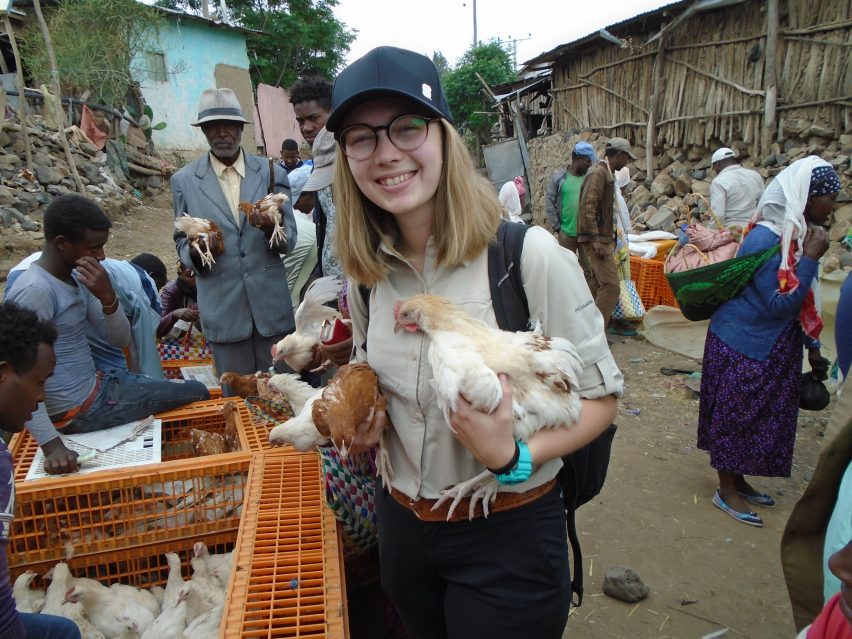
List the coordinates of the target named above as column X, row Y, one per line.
column 396, row 307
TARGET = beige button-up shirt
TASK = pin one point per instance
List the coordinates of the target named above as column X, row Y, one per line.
column 424, row 454
column 230, row 179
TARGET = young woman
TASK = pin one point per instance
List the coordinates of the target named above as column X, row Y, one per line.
column 753, row 353
column 414, row 217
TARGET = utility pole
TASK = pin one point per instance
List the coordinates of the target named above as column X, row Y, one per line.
column 513, row 42
column 475, row 40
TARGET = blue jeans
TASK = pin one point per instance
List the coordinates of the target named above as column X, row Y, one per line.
column 125, row 397
column 49, row 626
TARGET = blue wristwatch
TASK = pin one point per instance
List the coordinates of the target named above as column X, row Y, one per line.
column 522, row 470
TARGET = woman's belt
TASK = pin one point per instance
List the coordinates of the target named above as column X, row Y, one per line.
column 422, row 508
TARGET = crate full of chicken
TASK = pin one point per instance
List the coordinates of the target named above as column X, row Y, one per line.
column 196, row 488
column 287, row 577
column 175, row 588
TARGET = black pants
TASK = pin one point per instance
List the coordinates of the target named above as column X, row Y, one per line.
column 502, row 577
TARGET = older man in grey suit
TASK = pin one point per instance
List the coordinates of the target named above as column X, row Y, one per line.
column 243, row 298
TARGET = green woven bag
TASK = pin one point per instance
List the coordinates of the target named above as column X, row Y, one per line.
column 700, row 291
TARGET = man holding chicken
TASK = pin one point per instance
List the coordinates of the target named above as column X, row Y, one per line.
column 243, row 298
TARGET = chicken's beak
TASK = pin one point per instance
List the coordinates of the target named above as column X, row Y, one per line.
column 397, row 327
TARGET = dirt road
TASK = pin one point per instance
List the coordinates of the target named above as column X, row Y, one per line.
column 705, row 571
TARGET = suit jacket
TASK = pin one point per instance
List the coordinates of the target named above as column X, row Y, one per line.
column 247, row 286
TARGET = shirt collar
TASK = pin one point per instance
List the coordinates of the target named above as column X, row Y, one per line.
column 218, row 167
column 732, row 166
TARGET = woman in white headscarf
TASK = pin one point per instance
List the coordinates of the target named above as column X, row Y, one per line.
column 753, row 353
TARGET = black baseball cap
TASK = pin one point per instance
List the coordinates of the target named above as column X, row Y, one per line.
column 387, row 70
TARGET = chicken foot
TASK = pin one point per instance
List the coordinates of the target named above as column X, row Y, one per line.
column 206, row 255
column 484, row 487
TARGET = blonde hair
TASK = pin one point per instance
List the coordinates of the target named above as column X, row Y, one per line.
column 467, row 214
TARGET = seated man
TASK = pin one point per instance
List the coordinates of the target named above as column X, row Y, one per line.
column 68, row 286
column 26, row 361
column 180, row 300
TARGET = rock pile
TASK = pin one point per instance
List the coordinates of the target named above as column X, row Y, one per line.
column 24, row 195
column 682, row 178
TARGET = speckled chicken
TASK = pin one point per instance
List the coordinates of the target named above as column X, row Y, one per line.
column 204, row 236
column 268, row 210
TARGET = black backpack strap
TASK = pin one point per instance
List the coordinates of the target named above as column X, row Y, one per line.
column 577, row 557
column 504, row 276
column 364, row 292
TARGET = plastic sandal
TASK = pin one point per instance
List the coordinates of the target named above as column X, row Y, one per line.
column 759, row 499
column 750, row 519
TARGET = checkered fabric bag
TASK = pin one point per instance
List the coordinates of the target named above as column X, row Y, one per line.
column 350, row 491
column 269, row 410
column 629, row 305
column 193, row 347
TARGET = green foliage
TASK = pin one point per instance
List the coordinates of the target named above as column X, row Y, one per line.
column 441, row 64
column 95, row 42
column 465, row 93
column 301, row 37
column 146, row 120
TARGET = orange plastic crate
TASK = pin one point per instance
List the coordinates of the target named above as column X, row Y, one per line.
column 182, row 497
column 646, row 276
column 205, row 415
column 288, row 576
column 667, row 296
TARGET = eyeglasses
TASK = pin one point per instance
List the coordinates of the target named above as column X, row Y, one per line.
column 407, row 133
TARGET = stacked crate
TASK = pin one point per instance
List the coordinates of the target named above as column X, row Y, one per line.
column 288, row 574
column 651, row 282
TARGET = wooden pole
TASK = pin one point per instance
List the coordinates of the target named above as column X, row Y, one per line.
column 22, row 98
column 770, row 77
column 653, row 106
column 57, row 90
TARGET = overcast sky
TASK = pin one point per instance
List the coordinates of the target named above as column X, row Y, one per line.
column 447, row 25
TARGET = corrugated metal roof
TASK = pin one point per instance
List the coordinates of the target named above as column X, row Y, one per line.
column 652, row 18
column 217, row 24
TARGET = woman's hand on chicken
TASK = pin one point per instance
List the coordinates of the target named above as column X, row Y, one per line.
column 368, row 434
column 488, row 437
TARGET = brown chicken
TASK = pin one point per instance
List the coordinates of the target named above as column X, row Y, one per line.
column 351, row 398
column 231, row 432
column 265, row 211
column 243, row 385
column 204, row 236
column 206, row 443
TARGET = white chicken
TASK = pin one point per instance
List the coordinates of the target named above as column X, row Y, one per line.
column 174, row 582
column 300, row 432
column 297, row 348
column 204, row 236
column 466, row 356
column 170, row 623
column 200, row 596
column 27, row 599
column 206, row 625
column 112, row 610
column 294, row 390
column 54, row 602
column 218, row 565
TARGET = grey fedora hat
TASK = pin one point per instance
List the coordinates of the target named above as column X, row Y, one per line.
column 219, row 104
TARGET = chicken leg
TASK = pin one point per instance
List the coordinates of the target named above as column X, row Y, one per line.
column 483, row 487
